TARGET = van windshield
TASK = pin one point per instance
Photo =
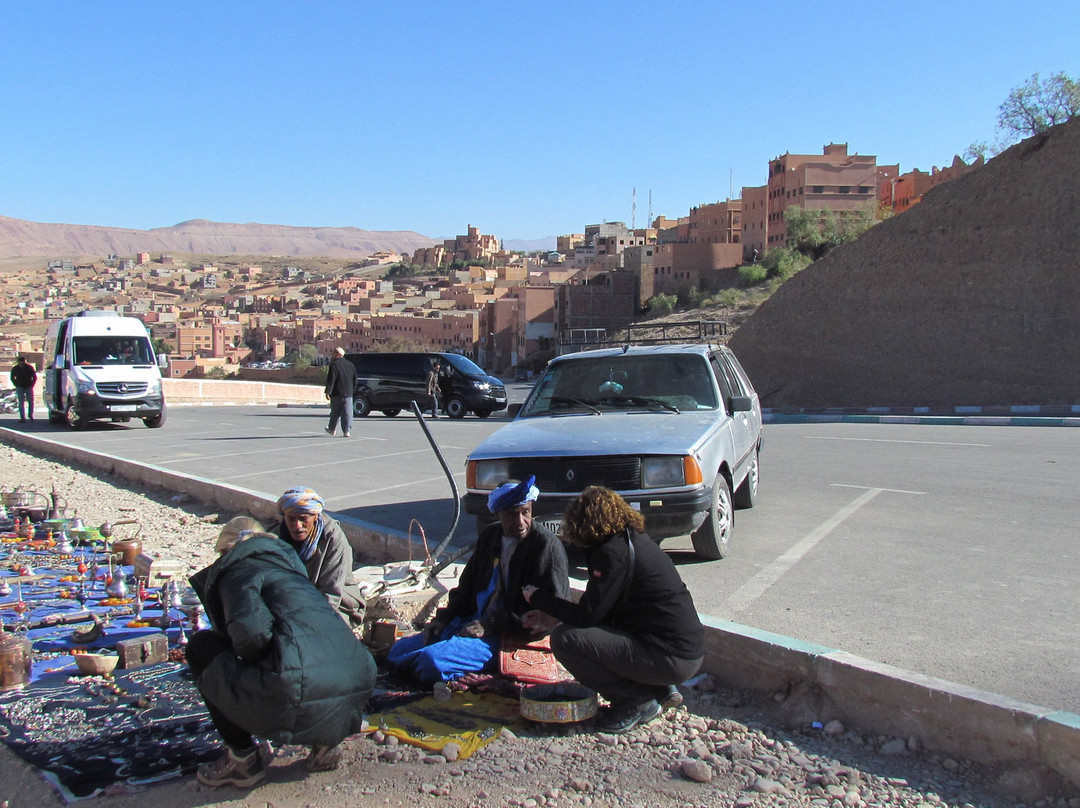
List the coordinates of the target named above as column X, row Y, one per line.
column 110, row 350
column 464, row 365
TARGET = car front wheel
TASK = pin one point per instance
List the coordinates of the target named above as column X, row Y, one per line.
column 361, row 407
column 713, row 539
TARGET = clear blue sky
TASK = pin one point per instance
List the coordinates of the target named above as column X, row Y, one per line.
column 524, row 119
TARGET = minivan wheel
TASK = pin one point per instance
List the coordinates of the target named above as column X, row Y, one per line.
column 456, row 408
column 713, row 539
column 361, row 407
column 390, row 413
column 74, row 418
column 746, row 494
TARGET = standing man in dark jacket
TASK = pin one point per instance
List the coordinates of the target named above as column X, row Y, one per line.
column 24, row 377
column 340, row 384
column 277, row 661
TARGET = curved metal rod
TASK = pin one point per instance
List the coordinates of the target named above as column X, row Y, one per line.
column 449, row 476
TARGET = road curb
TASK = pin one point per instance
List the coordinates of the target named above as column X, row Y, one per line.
column 1036, row 750
column 1016, row 415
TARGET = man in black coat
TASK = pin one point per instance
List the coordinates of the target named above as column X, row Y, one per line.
column 340, row 384
column 24, row 377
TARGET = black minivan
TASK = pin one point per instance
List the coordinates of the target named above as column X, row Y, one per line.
column 388, row 382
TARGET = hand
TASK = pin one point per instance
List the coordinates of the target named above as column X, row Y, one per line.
column 539, row 622
column 528, row 591
column 432, row 631
column 475, row 629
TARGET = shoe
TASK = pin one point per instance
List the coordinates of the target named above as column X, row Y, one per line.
column 346, row 434
column 22, row 420
column 671, row 699
column 618, row 720
column 324, row 758
column 328, row 430
column 231, row 769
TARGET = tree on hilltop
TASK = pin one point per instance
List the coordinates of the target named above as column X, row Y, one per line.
column 1030, row 109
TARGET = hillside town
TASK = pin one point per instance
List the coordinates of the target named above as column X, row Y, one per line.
column 505, row 310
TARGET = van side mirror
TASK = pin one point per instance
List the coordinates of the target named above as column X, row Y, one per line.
column 162, row 361
column 61, row 362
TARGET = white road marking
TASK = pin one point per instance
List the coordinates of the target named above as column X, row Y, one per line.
column 891, row 440
column 756, row 586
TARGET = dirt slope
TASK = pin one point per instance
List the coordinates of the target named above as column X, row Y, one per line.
column 971, row 297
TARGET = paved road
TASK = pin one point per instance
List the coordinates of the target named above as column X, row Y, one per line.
column 946, row 550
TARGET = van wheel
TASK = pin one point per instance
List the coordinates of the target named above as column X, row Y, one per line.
column 361, row 407
column 74, row 418
column 390, row 413
column 456, row 408
column 155, row 421
column 746, row 494
column 713, row 539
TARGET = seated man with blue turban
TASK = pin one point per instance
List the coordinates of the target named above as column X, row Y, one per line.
column 323, row 548
column 463, row 637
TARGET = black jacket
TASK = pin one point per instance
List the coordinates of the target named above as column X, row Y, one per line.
column 23, row 375
column 539, row 560
column 657, row 608
column 341, row 378
column 297, row 674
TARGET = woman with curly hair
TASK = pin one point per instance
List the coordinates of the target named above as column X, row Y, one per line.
column 635, row 633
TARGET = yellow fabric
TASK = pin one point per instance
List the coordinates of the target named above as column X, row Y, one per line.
column 471, row 720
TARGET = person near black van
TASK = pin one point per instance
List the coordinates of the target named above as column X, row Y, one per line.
column 433, row 380
column 340, row 384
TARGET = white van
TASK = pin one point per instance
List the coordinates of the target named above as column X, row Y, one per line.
column 101, row 365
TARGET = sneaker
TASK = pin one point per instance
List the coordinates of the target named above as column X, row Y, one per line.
column 324, row 758
column 618, row 720
column 231, row 769
column 346, row 434
column 671, row 699
column 328, row 430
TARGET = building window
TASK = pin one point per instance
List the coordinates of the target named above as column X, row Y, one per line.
column 845, row 189
column 818, row 189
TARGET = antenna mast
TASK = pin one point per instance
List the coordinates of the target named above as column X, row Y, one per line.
column 633, row 210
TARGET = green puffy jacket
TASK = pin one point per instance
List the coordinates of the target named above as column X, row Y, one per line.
column 298, row 675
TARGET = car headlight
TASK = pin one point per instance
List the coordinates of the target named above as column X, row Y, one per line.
column 154, row 387
column 482, row 386
column 665, row 472
column 487, row 474
column 85, row 388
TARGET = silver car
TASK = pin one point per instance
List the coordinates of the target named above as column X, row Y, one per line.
column 674, row 429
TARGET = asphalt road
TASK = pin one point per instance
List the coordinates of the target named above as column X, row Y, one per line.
column 946, row 550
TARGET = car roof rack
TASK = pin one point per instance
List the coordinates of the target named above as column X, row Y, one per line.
column 712, row 332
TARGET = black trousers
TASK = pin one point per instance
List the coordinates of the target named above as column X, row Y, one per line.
column 622, row 667
column 201, row 649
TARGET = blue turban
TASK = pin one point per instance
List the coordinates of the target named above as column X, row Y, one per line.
column 304, row 500
column 510, row 495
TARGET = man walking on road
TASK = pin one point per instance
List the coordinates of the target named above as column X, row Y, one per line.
column 433, row 388
column 24, row 377
column 340, row 383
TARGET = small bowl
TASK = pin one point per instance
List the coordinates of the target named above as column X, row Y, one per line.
column 96, row 664
column 560, row 703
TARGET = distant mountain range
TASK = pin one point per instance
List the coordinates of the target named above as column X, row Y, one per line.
column 24, row 239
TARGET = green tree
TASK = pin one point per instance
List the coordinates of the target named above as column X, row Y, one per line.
column 815, row 231
column 161, row 346
column 1036, row 105
column 663, row 304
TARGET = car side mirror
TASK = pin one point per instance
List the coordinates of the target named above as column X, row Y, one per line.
column 513, row 410
column 61, row 362
column 162, row 361
column 741, row 403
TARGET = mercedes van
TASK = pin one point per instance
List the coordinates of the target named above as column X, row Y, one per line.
column 389, row 382
column 100, row 365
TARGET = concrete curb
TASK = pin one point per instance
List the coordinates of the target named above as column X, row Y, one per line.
column 1017, row 415
column 1036, row 750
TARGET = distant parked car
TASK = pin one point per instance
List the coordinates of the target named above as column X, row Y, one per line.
column 675, row 429
column 521, row 375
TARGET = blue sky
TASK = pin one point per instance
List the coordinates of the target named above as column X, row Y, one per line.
column 526, row 120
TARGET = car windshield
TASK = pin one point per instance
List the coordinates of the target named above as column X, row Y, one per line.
column 111, row 350
column 671, row 383
column 464, row 365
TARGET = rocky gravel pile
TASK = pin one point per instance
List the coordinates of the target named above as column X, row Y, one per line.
column 721, row 748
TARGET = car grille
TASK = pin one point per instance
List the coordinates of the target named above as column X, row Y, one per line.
column 121, row 388
column 575, row 474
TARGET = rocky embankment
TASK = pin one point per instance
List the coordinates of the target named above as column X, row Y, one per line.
column 721, row 748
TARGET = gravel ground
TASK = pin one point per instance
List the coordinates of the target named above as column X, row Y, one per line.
column 720, row 749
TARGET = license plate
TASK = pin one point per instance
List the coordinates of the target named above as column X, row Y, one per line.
column 554, row 525
column 122, row 408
